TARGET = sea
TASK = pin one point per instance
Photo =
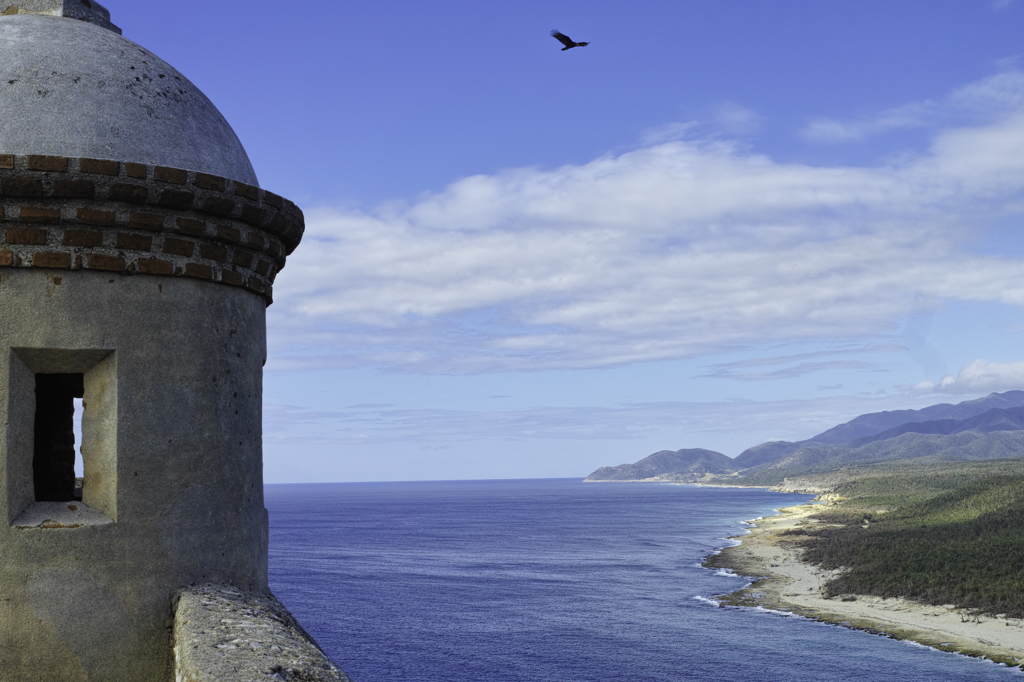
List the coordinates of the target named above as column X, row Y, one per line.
column 554, row 581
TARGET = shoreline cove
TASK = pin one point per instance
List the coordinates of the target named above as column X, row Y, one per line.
column 778, row 580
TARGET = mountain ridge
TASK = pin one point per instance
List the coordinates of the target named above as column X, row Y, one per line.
column 985, row 428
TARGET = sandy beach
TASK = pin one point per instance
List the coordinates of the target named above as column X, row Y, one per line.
column 791, row 585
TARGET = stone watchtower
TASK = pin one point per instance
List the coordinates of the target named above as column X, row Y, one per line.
column 137, row 258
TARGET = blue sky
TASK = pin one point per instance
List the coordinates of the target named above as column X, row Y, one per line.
column 720, row 223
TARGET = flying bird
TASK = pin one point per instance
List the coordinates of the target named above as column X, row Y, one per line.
column 566, row 40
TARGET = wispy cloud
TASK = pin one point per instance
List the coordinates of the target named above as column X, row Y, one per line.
column 784, row 419
column 1001, row 5
column 798, row 364
column 979, row 376
column 835, row 131
column 794, row 371
column 736, row 119
column 979, row 102
column 726, row 118
column 672, row 250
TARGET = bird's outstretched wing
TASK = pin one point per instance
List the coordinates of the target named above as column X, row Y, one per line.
column 562, row 38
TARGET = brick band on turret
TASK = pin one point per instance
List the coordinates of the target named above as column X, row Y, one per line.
column 132, row 218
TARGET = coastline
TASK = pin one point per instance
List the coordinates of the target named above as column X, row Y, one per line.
column 788, row 584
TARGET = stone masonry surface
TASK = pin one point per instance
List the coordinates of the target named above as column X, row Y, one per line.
column 130, row 218
column 83, row 10
column 226, row 635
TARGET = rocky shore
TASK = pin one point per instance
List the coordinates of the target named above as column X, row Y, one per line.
column 781, row 581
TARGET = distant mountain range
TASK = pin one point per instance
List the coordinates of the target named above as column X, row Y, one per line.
column 987, row 428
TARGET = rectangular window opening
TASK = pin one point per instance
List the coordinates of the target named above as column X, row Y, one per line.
column 79, row 462
column 53, row 458
column 59, row 402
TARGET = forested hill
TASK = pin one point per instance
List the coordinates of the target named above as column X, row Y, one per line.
column 693, row 463
column 986, row 428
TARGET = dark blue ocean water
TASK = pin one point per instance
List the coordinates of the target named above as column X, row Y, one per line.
column 552, row 581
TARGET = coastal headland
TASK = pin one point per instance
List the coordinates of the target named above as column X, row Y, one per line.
column 771, row 555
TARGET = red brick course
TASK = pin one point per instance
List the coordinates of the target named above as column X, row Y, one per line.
column 146, row 221
column 74, row 189
column 212, row 182
column 40, row 215
column 132, row 194
column 226, row 233
column 243, row 190
column 198, row 271
column 213, row 252
column 243, row 259
column 135, row 170
column 50, row 259
column 155, row 266
column 196, row 228
column 90, row 238
column 53, row 164
column 179, row 247
column 273, row 200
column 219, row 206
column 97, row 193
column 99, row 261
column 24, row 235
column 21, row 187
column 231, row 277
column 253, row 215
column 88, row 216
column 174, row 176
column 99, row 167
column 134, row 242
column 172, row 198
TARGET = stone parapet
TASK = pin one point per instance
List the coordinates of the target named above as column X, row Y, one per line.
column 225, row 635
column 130, row 218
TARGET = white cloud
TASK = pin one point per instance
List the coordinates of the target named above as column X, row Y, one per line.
column 979, row 376
column 669, row 132
column 726, row 117
column 672, row 250
column 983, row 101
column 1001, row 5
column 833, row 131
column 736, row 119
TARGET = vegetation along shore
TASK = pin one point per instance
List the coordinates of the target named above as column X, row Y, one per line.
column 929, row 553
column 917, row 530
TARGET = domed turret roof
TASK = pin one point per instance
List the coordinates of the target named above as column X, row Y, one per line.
column 77, row 89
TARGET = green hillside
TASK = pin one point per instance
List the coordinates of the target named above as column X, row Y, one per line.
column 942, row 534
column 925, row 448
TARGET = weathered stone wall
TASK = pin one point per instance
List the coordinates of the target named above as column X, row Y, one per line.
column 149, row 280
column 130, row 218
column 70, row 88
column 83, row 10
column 173, row 492
column 222, row 634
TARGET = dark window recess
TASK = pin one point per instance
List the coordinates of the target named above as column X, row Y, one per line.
column 53, row 460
